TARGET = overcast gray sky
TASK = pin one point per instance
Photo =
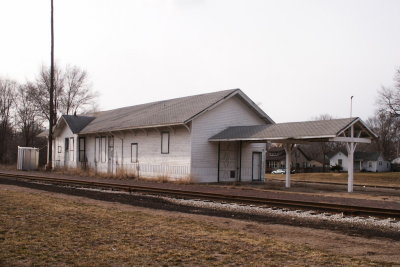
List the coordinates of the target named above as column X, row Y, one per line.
column 296, row 59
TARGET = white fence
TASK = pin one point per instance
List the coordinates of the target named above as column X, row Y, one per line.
column 28, row 158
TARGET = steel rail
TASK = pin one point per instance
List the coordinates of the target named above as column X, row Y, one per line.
column 337, row 183
column 324, row 206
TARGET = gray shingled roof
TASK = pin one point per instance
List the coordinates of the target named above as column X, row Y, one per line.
column 77, row 123
column 291, row 130
column 373, row 156
column 161, row 113
column 359, row 155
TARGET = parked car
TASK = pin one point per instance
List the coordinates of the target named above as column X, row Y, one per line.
column 279, row 171
column 283, row 171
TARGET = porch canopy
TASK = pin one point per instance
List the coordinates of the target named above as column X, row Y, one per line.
column 350, row 131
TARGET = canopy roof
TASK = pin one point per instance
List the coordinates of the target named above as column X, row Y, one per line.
column 310, row 131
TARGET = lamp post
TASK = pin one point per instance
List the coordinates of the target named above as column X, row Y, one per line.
column 351, row 106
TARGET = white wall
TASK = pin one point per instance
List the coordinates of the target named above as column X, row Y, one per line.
column 380, row 165
column 335, row 159
column 370, row 166
column 151, row 162
column 204, row 154
column 59, row 157
column 247, row 160
column 190, row 154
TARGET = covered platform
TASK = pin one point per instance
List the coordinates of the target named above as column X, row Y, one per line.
column 350, row 131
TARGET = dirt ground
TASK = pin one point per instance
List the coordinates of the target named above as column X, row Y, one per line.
column 334, row 184
column 390, row 179
column 342, row 249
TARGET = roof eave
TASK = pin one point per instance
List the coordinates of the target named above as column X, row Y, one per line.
column 302, row 138
column 133, row 128
column 354, row 121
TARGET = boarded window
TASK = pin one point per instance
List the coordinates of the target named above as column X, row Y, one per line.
column 103, row 144
column 110, row 148
column 59, row 149
column 134, row 152
column 97, row 149
column 71, row 149
column 66, row 145
column 82, row 149
column 164, row 142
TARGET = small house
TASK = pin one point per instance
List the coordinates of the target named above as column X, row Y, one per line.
column 363, row 161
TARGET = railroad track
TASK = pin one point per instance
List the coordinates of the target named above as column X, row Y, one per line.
column 336, row 183
column 321, row 206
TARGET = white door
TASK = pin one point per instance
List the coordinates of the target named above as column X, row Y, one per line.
column 256, row 170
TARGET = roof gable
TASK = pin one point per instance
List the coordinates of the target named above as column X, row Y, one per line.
column 360, row 155
column 74, row 122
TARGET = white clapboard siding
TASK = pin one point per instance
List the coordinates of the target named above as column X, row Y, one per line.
column 150, row 161
column 204, row 154
column 59, row 157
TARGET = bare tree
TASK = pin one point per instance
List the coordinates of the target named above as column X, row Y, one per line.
column 77, row 93
column 7, row 98
column 29, row 120
column 386, row 122
column 40, row 92
column 389, row 98
column 72, row 92
column 385, row 125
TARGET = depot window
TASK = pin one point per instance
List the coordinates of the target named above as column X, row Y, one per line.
column 164, row 142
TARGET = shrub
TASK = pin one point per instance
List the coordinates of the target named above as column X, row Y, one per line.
column 337, row 168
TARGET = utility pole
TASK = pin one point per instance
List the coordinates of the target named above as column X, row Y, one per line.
column 51, row 104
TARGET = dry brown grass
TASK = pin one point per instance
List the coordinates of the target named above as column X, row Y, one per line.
column 8, row 167
column 161, row 179
column 121, row 173
column 89, row 172
column 168, row 179
column 184, row 180
column 40, row 230
column 361, row 178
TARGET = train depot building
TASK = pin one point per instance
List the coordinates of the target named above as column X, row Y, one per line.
column 213, row 137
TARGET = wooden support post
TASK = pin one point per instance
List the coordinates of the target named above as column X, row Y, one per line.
column 350, row 165
column 288, row 150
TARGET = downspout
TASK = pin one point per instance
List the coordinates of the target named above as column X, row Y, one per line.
column 240, row 161
column 219, row 148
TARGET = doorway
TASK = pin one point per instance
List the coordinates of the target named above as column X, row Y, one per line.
column 256, row 166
